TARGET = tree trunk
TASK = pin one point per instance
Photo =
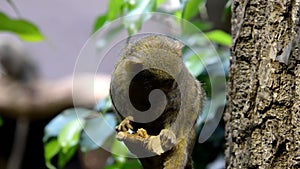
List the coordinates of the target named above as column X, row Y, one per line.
column 263, row 113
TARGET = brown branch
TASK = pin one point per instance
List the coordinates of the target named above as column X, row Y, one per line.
column 43, row 99
column 20, row 141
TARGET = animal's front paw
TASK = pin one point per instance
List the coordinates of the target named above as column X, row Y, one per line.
column 167, row 139
column 121, row 136
column 125, row 125
column 142, row 133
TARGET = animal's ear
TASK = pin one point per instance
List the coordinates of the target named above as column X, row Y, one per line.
column 178, row 45
column 133, row 65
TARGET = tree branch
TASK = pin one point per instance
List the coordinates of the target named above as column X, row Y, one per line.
column 43, row 98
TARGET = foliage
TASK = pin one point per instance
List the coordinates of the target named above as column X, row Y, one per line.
column 191, row 8
column 219, row 37
column 26, row 30
column 74, row 128
column 117, row 8
column 62, row 135
column 120, row 160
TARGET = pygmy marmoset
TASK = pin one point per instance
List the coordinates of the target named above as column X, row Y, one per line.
column 161, row 138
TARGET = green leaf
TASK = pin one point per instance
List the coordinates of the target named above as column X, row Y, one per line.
column 98, row 132
column 134, row 10
column 219, row 37
column 64, row 157
column 159, row 2
column 100, row 21
column 191, row 9
column 194, row 65
column 54, row 127
column 178, row 14
column 70, row 134
column 227, row 9
column 136, row 16
column 51, row 149
column 120, row 149
column 132, row 164
column 114, row 166
column 203, row 26
column 114, row 9
column 26, row 30
column 66, row 128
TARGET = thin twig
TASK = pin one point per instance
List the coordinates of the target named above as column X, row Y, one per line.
column 20, row 139
column 14, row 7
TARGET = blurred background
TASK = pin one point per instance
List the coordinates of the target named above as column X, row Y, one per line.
column 65, row 26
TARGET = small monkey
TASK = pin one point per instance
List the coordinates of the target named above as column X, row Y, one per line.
column 150, row 63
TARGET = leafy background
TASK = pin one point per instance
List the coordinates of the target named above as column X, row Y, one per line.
column 67, row 132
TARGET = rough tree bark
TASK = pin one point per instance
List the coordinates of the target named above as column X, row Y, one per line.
column 263, row 113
